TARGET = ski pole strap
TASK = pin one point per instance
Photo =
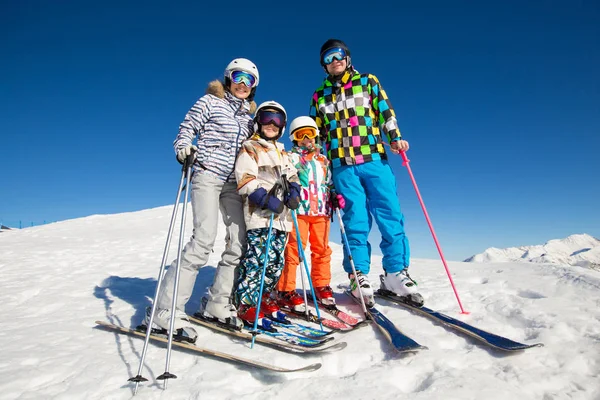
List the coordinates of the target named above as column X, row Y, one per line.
column 285, row 185
column 275, row 189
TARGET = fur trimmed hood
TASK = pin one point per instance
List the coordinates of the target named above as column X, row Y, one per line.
column 216, row 88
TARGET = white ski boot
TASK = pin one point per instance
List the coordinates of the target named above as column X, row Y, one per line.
column 365, row 288
column 403, row 286
column 184, row 330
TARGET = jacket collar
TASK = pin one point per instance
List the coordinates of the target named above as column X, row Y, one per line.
column 345, row 78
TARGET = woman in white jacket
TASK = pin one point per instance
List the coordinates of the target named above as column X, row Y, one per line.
column 219, row 122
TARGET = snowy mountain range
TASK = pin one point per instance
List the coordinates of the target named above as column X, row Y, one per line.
column 582, row 250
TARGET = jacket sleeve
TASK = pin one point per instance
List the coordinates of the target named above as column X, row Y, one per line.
column 383, row 108
column 193, row 123
column 316, row 115
column 328, row 176
column 246, row 170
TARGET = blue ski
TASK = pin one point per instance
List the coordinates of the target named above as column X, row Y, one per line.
column 399, row 340
column 280, row 340
column 293, row 338
column 301, row 329
column 487, row 338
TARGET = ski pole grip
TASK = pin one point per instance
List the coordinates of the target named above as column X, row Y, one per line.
column 405, row 159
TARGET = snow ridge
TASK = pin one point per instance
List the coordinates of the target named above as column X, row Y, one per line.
column 581, row 249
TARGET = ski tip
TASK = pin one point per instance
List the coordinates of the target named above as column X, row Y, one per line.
column 412, row 350
column 339, row 346
column 311, row 367
column 521, row 347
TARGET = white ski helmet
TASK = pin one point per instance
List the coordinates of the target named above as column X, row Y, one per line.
column 241, row 64
column 269, row 105
column 302, row 122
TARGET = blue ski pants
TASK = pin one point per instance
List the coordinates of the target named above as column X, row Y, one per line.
column 370, row 193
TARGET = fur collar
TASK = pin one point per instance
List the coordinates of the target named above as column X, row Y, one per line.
column 217, row 89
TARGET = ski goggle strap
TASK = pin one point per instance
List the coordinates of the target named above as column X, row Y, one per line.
column 336, row 53
column 266, row 117
column 243, row 77
column 301, row 133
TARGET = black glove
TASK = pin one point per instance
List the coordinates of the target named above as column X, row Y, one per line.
column 292, row 199
column 265, row 201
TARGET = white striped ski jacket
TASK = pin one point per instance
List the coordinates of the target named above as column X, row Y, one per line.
column 220, row 122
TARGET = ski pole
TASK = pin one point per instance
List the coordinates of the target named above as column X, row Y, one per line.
column 345, row 239
column 139, row 378
column 437, row 244
column 262, row 281
column 303, row 260
column 167, row 375
column 301, row 255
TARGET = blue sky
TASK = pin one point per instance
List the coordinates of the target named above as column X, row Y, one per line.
column 500, row 103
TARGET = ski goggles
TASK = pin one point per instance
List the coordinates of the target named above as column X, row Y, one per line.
column 300, row 134
column 271, row 117
column 336, row 53
column 243, row 77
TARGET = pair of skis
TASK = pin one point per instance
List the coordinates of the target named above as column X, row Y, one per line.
column 404, row 344
column 217, row 354
column 280, row 339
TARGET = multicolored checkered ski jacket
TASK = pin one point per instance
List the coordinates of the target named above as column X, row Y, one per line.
column 349, row 113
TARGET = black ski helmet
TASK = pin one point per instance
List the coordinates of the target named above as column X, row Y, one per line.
column 331, row 43
column 269, row 105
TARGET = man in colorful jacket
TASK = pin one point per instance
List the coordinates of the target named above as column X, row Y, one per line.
column 352, row 112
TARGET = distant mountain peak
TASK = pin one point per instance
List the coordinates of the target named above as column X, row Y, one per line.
column 578, row 249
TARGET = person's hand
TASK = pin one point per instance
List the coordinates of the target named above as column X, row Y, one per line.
column 399, row 145
column 293, row 199
column 183, row 153
column 265, row 201
column 338, row 201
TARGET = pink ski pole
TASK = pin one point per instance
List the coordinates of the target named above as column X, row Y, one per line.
column 412, row 178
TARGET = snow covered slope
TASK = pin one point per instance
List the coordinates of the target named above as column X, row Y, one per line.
column 57, row 279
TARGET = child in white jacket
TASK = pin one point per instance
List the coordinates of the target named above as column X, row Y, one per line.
column 263, row 169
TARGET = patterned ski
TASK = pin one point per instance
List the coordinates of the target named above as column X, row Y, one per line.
column 342, row 316
column 212, row 353
column 484, row 337
column 334, row 325
column 278, row 340
column 399, row 340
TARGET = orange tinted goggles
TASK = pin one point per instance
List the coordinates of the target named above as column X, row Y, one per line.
column 301, row 133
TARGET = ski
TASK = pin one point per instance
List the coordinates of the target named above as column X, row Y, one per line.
column 346, row 318
column 399, row 340
column 213, row 353
column 484, row 337
column 301, row 329
column 334, row 325
column 279, row 340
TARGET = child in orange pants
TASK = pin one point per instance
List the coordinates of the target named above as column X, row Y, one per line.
column 313, row 215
